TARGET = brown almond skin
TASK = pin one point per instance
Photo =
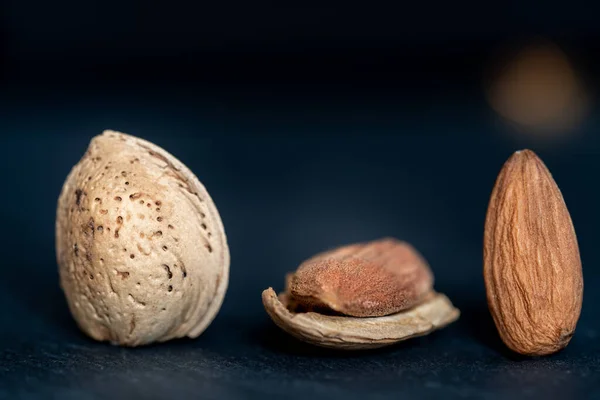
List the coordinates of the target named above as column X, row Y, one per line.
column 363, row 280
column 532, row 267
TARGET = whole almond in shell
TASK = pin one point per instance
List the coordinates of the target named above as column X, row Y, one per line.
column 532, row 267
column 141, row 248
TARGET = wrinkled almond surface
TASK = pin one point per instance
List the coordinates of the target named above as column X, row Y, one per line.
column 532, row 267
column 141, row 249
column 363, row 280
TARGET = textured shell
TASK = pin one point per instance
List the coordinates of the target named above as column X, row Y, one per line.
column 350, row 333
column 363, row 280
column 532, row 267
column 141, row 248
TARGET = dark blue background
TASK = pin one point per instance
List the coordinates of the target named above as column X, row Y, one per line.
column 311, row 128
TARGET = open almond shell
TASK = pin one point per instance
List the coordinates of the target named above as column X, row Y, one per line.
column 352, row 333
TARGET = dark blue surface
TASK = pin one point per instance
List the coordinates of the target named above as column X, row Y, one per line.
column 291, row 175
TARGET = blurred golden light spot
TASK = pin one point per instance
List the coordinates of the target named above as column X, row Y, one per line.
column 538, row 89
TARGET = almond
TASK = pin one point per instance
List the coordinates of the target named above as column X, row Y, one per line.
column 363, row 280
column 141, row 248
column 361, row 296
column 532, row 267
